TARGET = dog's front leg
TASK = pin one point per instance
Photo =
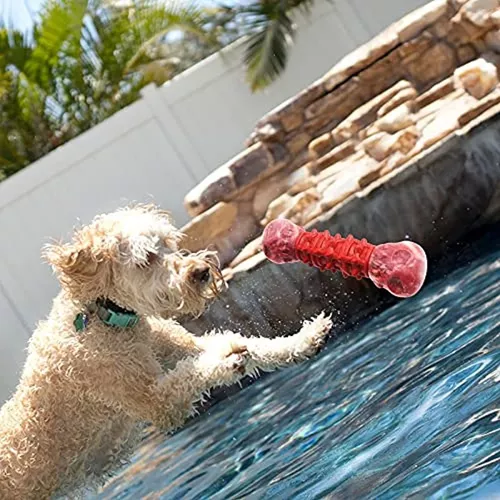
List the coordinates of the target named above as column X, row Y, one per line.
column 171, row 342
column 181, row 388
column 270, row 354
column 168, row 399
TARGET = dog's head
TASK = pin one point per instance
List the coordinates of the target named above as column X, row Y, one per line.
column 131, row 256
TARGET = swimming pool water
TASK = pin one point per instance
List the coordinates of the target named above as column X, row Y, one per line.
column 406, row 405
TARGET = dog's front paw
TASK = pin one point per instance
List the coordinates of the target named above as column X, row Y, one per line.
column 238, row 361
column 314, row 333
column 225, row 366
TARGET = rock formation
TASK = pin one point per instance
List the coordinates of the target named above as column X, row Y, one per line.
column 401, row 138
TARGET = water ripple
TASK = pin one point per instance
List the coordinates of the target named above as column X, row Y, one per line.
column 404, row 406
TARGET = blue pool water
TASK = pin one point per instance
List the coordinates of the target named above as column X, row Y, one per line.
column 406, row 405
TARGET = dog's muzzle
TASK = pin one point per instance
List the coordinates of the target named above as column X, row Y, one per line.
column 208, row 277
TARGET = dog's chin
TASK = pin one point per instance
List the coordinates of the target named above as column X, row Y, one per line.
column 194, row 307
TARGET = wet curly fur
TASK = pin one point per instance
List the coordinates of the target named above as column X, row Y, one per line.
column 75, row 416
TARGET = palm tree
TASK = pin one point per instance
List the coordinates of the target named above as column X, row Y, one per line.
column 25, row 125
column 269, row 26
column 85, row 60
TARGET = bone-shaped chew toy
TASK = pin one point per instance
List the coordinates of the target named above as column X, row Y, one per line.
column 400, row 268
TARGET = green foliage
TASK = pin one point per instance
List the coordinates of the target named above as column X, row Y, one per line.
column 86, row 59
column 270, row 30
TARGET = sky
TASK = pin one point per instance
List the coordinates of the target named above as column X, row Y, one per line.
column 17, row 12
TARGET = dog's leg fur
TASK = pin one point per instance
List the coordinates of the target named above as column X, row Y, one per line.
column 168, row 400
column 269, row 354
column 172, row 342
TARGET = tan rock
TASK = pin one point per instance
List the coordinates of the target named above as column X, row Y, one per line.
column 436, row 92
column 398, row 119
column 277, row 207
column 215, row 187
column 321, row 145
column 298, row 176
column 267, row 191
column 251, row 249
column 340, row 190
column 290, row 112
column 367, row 112
column 325, row 183
column 303, row 204
column 371, row 176
column 338, row 170
column 345, row 131
column 246, row 265
column 415, row 22
column 335, row 155
column 292, row 121
column 312, row 213
column 406, row 140
column 270, row 132
column 443, row 63
column 478, row 78
column 392, row 162
column 320, row 124
column 397, row 159
column 415, row 48
column 404, row 96
column 466, row 53
column 463, row 32
column 381, row 75
column 436, row 107
column 330, row 104
column 347, row 183
column 201, row 231
column 360, row 58
column 492, row 40
column 245, row 229
column 303, row 185
column 278, row 153
column 292, row 207
column 297, row 143
column 238, row 173
column 300, row 180
column 250, row 164
column 441, row 26
column 479, row 12
column 377, row 145
column 380, row 146
column 490, row 100
column 423, row 121
column 444, row 123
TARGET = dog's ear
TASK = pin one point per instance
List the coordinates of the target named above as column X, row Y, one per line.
column 77, row 267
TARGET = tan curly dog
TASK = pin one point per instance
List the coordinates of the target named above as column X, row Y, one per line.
column 110, row 355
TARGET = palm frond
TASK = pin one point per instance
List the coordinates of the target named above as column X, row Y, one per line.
column 156, row 20
column 266, row 54
column 58, row 35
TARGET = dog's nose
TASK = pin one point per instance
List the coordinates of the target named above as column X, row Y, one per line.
column 202, row 274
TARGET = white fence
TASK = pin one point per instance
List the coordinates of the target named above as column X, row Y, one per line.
column 154, row 150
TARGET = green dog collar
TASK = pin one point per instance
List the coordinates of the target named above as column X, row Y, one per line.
column 107, row 313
